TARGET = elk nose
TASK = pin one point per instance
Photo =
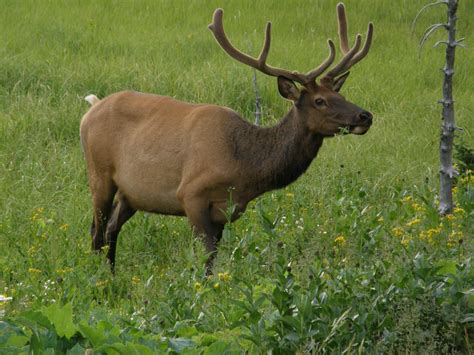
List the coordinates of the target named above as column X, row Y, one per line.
column 365, row 117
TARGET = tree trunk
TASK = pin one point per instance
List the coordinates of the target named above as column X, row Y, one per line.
column 447, row 171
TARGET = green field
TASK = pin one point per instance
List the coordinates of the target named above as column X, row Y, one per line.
column 351, row 257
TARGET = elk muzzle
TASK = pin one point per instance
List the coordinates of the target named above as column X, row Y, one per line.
column 362, row 124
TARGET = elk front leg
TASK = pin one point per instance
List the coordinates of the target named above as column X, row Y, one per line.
column 198, row 213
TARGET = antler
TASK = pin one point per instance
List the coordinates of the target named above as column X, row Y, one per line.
column 260, row 63
column 351, row 56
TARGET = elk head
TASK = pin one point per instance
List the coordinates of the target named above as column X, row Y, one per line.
column 320, row 105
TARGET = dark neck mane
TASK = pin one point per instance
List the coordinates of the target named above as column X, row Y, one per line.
column 276, row 156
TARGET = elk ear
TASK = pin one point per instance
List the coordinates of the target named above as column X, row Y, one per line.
column 337, row 85
column 288, row 89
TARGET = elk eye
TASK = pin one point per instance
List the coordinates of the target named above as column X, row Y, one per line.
column 320, row 102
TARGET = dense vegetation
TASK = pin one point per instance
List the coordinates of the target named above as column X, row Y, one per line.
column 352, row 257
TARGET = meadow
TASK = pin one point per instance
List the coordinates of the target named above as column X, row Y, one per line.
column 353, row 257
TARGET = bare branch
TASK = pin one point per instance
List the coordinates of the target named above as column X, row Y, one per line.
column 428, row 32
column 423, row 9
column 440, row 42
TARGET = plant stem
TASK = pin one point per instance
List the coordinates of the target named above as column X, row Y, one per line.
column 258, row 107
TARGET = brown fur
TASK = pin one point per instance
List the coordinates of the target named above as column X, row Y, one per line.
column 161, row 155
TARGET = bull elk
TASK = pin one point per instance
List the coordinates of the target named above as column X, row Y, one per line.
column 157, row 154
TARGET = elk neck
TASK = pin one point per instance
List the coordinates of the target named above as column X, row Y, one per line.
column 273, row 157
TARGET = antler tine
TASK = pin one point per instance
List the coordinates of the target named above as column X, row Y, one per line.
column 342, row 66
column 312, row 75
column 218, row 30
column 342, row 27
column 259, row 63
column 262, row 58
column 352, row 55
column 365, row 49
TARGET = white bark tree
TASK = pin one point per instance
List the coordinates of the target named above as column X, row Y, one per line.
column 448, row 127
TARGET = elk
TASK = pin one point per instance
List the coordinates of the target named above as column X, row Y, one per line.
column 157, row 154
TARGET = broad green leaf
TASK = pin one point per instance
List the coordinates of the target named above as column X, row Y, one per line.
column 191, row 352
column 76, row 350
column 291, row 321
column 187, row 332
column 128, row 349
column 32, row 318
column 11, row 336
column 446, row 267
column 61, row 318
column 292, row 337
column 216, row 348
column 94, row 335
column 470, row 300
column 179, row 344
column 208, row 339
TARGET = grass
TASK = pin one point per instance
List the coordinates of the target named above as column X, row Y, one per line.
column 353, row 256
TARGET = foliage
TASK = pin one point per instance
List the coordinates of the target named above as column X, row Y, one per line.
column 353, row 256
column 464, row 155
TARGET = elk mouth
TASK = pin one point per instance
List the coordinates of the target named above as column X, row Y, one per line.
column 354, row 129
column 359, row 130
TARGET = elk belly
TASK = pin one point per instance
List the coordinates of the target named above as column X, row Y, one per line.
column 149, row 190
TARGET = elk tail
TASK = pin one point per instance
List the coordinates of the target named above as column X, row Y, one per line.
column 92, row 99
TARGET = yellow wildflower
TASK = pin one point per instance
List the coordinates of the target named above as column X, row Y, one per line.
column 413, row 222
column 459, row 210
column 340, row 240
column 455, row 238
column 430, row 233
column 397, row 231
column 417, row 207
column 405, row 241
column 469, row 178
column 37, row 213
column 455, row 190
column 101, row 283
column 135, row 280
column 32, row 250
column 64, row 227
column 450, row 217
column 34, row 270
column 325, row 276
column 65, row 270
column 407, row 199
column 216, row 286
column 224, row 276
column 198, row 286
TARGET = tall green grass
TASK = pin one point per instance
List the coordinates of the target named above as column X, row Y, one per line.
column 358, row 220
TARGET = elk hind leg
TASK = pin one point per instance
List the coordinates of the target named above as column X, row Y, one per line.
column 121, row 213
column 103, row 192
